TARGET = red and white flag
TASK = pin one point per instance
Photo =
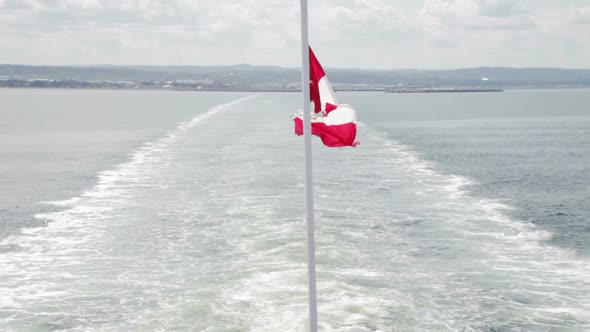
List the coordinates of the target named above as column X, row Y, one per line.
column 334, row 123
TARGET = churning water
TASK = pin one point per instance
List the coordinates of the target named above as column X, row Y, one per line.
column 181, row 211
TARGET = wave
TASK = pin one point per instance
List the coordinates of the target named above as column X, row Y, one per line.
column 69, row 238
column 401, row 246
column 469, row 249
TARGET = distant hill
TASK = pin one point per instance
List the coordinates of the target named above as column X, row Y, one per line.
column 248, row 75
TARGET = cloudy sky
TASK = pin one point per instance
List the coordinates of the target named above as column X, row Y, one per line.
column 344, row 33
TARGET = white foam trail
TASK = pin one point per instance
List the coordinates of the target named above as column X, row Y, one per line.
column 401, row 247
column 148, row 153
column 70, row 238
column 67, row 202
column 479, row 235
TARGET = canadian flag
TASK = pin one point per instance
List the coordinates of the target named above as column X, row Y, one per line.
column 334, row 123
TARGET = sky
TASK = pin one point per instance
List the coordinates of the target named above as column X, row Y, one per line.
column 379, row 34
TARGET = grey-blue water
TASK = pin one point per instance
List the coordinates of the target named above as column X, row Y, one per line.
column 123, row 210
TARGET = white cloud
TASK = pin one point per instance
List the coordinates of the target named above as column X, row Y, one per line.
column 500, row 8
column 345, row 33
column 581, row 15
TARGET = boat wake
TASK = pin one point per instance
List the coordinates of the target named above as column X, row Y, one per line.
column 50, row 264
column 454, row 261
column 182, row 238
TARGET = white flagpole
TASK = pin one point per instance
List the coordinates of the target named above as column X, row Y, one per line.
column 313, row 310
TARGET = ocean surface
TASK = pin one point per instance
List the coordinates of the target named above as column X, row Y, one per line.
column 180, row 211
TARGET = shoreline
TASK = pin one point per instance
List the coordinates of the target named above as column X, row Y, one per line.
column 443, row 90
column 377, row 90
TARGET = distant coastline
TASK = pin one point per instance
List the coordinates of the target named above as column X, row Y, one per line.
column 442, row 90
column 378, row 90
column 75, row 85
column 277, row 79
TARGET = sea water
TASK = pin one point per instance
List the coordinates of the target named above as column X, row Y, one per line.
column 136, row 210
